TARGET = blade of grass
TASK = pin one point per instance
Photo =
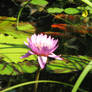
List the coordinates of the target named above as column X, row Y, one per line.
column 87, row 2
column 82, row 76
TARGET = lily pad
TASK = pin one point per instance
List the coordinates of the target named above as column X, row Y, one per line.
column 69, row 64
column 25, row 26
column 55, row 10
column 12, row 49
column 39, row 2
column 72, row 11
column 16, row 69
column 8, row 26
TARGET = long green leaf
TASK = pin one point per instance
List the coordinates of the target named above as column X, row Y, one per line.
column 82, row 76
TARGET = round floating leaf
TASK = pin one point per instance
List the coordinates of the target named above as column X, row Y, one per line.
column 39, row 2
column 5, row 69
column 25, row 26
column 71, row 11
column 69, row 64
column 10, row 52
column 55, row 10
column 8, row 26
column 12, row 49
column 15, row 69
column 28, row 67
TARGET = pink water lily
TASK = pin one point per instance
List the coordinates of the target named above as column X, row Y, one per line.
column 42, row 46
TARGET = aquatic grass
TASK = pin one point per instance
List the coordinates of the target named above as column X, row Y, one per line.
column 87, row 2
column 82, row 76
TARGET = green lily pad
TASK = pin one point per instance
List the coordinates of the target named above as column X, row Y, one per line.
column 25, row 26
column 55, row 10
column 8, row 26
column 69, row 64
column 71, row 11
column 16, row 69
column 39, row 2
column 12, row 49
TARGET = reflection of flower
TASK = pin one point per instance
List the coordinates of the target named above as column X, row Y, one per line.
column 42, row 46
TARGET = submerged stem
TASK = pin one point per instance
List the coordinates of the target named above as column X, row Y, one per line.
column 40, row 81
column 37, row 78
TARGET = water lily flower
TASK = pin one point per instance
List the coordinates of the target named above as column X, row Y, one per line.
column 43, row 46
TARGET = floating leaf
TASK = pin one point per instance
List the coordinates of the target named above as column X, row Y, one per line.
column 10, row 52
column 8, row 26
column 15, row 69
column 55, row 10
column 69, row 64
column 7, row 18
column 25, row 26
column 71, row 11
column 39, row 2
column 12, row 49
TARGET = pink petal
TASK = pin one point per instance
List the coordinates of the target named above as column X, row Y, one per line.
column 54, row 49
column 42, row 61
column 28, row 40
column 52, row 55
column 26, row 44
column 32, row 53
column 27, row 54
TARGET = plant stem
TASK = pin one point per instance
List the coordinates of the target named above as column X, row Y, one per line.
column 37, row 78
column 40, row 81
column 21, row 12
